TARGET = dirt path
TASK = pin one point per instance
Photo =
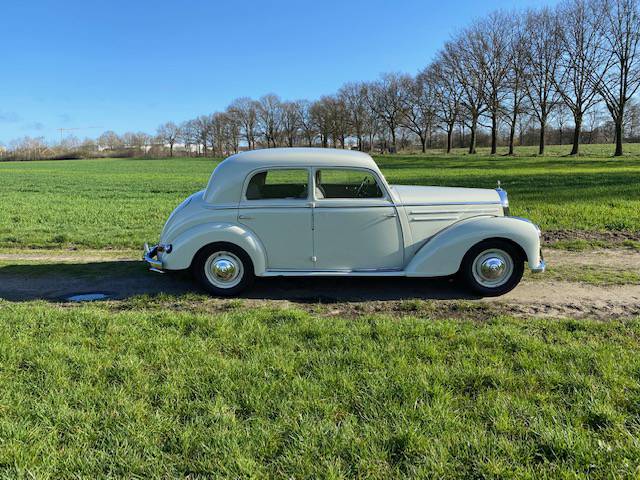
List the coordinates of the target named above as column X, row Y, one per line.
column 57, row 275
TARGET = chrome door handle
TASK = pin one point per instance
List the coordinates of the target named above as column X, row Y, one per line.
column 244, row 217
column 391, row 215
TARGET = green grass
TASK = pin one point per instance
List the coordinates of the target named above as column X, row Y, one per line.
column 121, row 203
column 129, row 390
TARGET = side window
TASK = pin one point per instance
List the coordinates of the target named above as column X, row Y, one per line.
column 344, row 183
column 278, row 184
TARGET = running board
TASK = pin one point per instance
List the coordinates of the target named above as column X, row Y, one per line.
column 334, row 273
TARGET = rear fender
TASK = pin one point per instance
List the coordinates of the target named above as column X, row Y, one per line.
column 189, row 242
column 442, row 254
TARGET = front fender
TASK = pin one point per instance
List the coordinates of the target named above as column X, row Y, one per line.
column 186, row 245
column 442, row 254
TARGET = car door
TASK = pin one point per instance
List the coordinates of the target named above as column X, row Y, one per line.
column 276, row 206
column 355, row 224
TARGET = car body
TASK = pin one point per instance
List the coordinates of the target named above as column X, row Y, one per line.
column 316, row 211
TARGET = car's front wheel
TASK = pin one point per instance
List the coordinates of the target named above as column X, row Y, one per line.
column 223, row 269
column 492, row 267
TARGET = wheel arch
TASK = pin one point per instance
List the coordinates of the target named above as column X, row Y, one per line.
column 190, row 242
column 443, row 253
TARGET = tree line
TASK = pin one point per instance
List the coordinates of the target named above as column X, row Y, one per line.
column 567, row 73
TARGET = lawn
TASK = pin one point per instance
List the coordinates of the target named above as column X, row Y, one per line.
column 120, row 203
column 174, row 390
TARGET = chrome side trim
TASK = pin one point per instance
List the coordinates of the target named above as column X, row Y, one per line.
column 446, row 203
column 431, row 219
column 334, row 273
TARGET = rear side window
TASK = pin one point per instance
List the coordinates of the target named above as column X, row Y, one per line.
column 278, row 184
column 344, row 183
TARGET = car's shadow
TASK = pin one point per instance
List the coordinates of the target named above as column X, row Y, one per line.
column 124, row 279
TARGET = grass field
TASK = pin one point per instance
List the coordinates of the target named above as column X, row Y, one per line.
column 191, row 386
column 129, row 390
column 121, row 203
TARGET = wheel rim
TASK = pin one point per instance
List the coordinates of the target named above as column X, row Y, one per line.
column 492, row 268
column 224, row 269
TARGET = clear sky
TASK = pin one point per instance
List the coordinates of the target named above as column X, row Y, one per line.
column 131, row 65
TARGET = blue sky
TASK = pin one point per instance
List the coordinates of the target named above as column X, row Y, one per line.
column 132, row 65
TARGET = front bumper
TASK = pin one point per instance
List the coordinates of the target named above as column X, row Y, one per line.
column 541, row 265
column 150, row 256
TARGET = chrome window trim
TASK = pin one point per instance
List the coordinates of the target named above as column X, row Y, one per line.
column 250, row 175
column 381, row 184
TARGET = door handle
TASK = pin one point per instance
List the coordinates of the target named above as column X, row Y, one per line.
column 391, row 215
column 244, row 217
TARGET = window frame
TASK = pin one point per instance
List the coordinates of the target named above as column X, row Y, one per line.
column 257, row 171
column 381, row 185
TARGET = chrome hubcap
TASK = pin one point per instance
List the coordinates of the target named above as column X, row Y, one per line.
column 492, row 268
column 224, row 269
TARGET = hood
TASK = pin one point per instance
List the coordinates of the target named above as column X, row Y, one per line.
column 418, row 195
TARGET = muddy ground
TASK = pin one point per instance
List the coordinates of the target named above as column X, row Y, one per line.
column 54, row 276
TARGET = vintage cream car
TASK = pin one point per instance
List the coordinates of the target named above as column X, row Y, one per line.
column 311, row 212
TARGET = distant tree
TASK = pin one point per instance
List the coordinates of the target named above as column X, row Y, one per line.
column 385, row 99
column 245, row 111
column 110, row 140
column 489, row 42
column 460, row 60
column 446, row 91
column 168, row 133
column 543, row 58
column 269, row 114
column 290, row 122
column 320, row 113
column 516, row 81
column 621, row 80
column 582, row 60
column 307, row 125
column 419, row 110
column 354, row 98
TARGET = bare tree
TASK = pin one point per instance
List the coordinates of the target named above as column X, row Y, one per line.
column 385, row 100
column 489, row 42
column 168, row 133
column 622, row 79
column 419, row 107
column 516, row 86
column 543, row 31
column 354, row 98
column 582, row 60
column 245, row 111
column 307, row 125
column 189, row 135
column 110, row 140
column 446, row 91
column 290, row 122
column 269, row 116
column 460, row 60
column 320, row 112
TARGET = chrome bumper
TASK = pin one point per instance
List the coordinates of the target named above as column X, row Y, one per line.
column 540, row 268
column 155, row 265
column 541, row 265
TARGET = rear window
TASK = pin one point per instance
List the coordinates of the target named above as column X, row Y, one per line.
column 278, row 184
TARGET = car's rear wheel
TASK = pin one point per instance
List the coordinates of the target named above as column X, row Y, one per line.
column 492, row 267
column 223, row 269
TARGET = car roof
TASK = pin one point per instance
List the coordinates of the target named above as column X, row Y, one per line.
column 232, row 171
